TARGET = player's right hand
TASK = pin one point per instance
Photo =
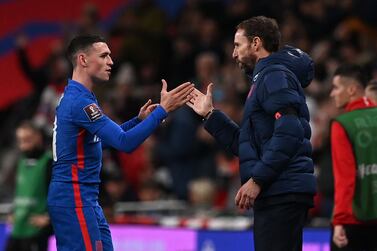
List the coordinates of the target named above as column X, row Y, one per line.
column 171, row 100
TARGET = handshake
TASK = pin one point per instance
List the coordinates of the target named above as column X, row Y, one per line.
column 185, row 93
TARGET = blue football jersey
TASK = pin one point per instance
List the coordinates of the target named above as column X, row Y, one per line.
column 80, row 128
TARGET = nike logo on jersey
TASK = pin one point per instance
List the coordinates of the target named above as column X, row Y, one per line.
column 96, row 139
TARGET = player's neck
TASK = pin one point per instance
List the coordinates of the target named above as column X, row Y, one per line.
column 83, row 79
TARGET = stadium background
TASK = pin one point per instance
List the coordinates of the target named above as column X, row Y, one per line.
column 178, row 179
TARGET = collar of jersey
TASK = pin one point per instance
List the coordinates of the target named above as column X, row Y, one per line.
column 80, row 86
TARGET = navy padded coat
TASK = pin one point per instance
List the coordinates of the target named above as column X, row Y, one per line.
column 273, row 150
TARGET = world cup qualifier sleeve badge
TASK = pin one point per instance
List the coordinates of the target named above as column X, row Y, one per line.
column 93, row 112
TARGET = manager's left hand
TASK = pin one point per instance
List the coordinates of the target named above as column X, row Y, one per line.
column 247, row 194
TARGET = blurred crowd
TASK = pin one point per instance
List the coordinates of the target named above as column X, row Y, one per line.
column 181, row 160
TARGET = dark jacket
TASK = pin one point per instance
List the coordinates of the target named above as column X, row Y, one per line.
column 273, row 141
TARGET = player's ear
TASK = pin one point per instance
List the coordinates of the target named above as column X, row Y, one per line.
column 82, row 60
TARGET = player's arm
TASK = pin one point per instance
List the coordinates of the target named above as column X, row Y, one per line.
column 37, row 76
column 125, row 127
column 144, row 112
column 88, row 115
column 113, row 134
column 130, row 123
column 129, row 140
column 169, row 100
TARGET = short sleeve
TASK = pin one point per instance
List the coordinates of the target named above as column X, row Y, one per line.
column 87, row 114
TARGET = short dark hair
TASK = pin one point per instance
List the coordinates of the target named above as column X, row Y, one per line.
column 265, row 28
column 353, row 71
column 81, row 43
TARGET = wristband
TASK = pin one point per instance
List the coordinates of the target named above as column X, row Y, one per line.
column 208, row 114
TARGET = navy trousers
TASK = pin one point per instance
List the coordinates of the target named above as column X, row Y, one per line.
column 279, row 227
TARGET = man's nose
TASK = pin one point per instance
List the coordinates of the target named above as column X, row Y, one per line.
column 234, row 54
column 332, row 94
column 110, row 62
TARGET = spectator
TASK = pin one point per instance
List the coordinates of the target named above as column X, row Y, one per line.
column 31, row 223
column 371, row 90
column 48, row 82
column 354, row 160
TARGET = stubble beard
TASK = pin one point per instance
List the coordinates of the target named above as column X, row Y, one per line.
column 248, row 66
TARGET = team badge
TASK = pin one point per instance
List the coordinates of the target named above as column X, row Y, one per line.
column 93, row 112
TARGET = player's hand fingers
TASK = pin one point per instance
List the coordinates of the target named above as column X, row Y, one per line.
column 340, row 239
column 152, row 107
column 181, row 88
column 340, row 242
column 192, row 100
column 146, row 104
column 187, row 91
column 183, row 96
column 190, row 104
column 197, row 93
column 164, row 86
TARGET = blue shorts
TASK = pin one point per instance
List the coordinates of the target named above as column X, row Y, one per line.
column 80, row 228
